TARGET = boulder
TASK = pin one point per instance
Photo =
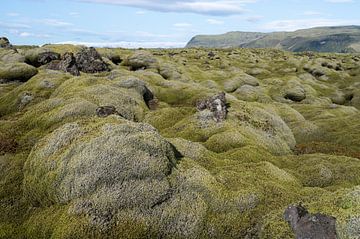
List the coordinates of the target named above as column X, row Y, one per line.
column 66, row 64
column 240, row 80
column 216, row 105
column 89, row 60
column 5, row 43
column 104, row 111
column 123, row 165
column 310, row 226
column 47, row 57
column 294, row 91
column 16, row 72
column 10, row 56
column 141, row 60
column 142, row 89
column 40, row 56
column 169, row 72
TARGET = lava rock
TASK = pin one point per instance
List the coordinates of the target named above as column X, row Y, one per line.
column 89, row 61
column 66, row 64
column 141, row 60
column 5, row 43
column 310, row 226
column 105, row 111
column 46, row 57
column 215, row 104
column 142, row 89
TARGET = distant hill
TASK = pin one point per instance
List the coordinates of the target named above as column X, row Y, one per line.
column 321, row 39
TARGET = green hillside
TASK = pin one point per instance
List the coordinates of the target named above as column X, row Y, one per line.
column 321, row 39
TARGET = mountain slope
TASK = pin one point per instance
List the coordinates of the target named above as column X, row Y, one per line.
column 321, row 39
column 225, row 40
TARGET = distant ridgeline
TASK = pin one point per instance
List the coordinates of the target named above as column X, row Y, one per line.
column 342, row 39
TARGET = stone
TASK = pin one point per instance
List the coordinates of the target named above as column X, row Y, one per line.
column 46, row 57
column 66, row 64
column 16, row 72
column 104, row 111
column 310, row 226
column 40, row 56
column 240, row 80
column 5, row 43
column 89, row 60
column 216, row 105
column 142, row 89
column 141, row 60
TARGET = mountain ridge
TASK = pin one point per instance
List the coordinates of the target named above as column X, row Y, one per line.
column 340, row 39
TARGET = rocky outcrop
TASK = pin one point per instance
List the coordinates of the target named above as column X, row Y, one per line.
column 66, row 64
column 5, row 43
column 89, row 60
column 310, row 226
column 216, row 105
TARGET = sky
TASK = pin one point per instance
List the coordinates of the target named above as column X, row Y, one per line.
column 161, row 23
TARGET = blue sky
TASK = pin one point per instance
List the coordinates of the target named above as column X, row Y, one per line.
column 163, row 23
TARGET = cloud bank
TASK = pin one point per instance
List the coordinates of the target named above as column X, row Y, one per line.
column 205, row 7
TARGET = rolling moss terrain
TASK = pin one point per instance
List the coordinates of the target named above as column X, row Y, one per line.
column 292, row 134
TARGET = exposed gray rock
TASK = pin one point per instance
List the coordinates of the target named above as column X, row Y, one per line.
column 216, row 105
column 89, row 60
column 66, row 64
column 310, row 226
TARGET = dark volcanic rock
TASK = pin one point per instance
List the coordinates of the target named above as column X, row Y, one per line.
column 90, row 61
column 105, row 111
column 310, row 226
column 67, row 64
column 46, row 57
column 5, row 43
column 216, row 104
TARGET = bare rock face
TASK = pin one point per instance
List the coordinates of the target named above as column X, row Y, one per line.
column 90, row 61
column 66, row 64
column 216, row 105
column 310, row 226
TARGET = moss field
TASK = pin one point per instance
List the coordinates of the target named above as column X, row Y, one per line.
column 170, row 172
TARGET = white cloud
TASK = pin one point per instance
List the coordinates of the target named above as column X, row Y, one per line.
column 13, row 14
column 16, row 25
column 74, row 14
column 55, row 23
column 254, row 19
column 291, row 25
column 126, row 44
column 182, row 25
column 206, row 7
column 312, row 13
column 140, row 12
column 214, row 22
column 28, row 34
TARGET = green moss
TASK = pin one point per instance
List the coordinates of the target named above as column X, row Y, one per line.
column 17, row 72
